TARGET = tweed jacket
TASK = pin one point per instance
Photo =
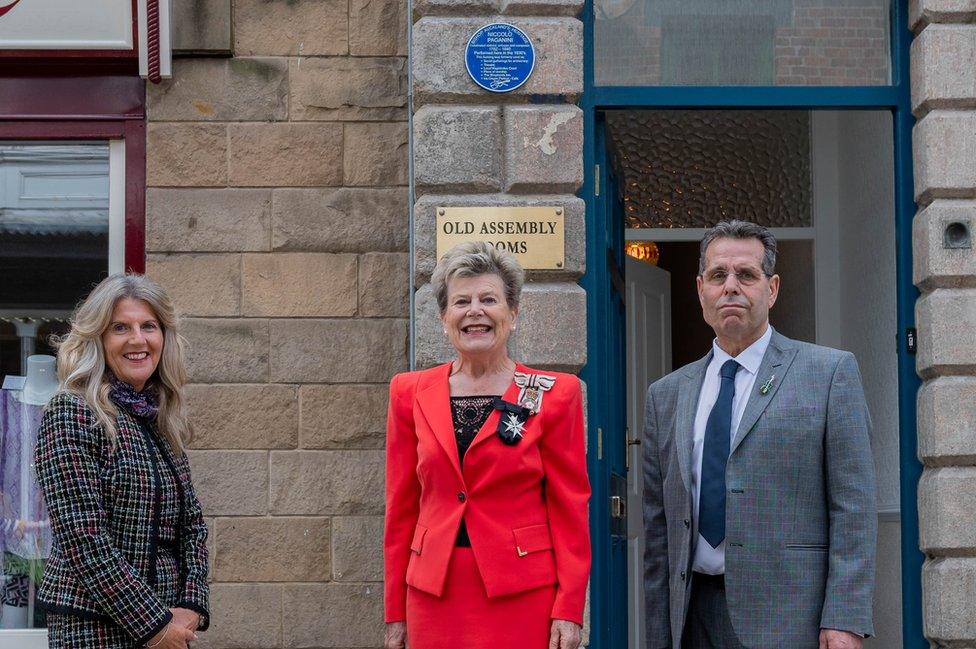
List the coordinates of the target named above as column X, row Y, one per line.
column 104, row 508
column 801, row 516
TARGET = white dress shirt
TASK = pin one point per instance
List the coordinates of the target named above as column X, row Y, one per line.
column 707, row 559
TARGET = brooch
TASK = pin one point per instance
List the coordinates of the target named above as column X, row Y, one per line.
column 765, row 388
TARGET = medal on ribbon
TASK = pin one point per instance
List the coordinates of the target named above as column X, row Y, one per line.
column 511, row 424
column 532, row 387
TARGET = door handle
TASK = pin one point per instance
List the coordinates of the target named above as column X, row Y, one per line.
column 618, row 507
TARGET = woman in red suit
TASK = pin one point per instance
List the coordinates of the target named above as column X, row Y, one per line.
column 486, row 541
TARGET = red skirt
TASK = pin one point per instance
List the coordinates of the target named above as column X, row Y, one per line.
column 465, row 617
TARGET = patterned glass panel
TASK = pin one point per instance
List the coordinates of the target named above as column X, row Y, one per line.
column 690, row 169
column 741, row 42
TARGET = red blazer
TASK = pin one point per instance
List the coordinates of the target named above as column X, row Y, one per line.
column 525, row 505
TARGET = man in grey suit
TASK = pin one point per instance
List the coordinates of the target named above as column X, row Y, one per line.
column 759, row 497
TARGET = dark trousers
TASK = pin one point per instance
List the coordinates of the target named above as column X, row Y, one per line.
column 708, row 625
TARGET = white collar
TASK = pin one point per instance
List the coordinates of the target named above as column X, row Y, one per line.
column 750, row 357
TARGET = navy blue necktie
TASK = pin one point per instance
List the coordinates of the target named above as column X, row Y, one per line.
column 715, row 455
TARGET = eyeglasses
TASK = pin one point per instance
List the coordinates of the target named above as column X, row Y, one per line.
column 745, row 277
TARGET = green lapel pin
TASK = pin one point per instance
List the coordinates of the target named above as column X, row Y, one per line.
column 767, row 386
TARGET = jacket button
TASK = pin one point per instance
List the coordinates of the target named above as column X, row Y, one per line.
column 461, row 496
column 682, row 575
column 687, row 523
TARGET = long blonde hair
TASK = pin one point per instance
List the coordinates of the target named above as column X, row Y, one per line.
column 81, row 356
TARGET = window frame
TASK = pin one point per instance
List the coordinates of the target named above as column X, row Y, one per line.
column 132, row 134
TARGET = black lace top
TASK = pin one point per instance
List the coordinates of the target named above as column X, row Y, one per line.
column 469, row 414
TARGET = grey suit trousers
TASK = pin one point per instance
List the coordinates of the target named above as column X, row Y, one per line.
column 708, row 625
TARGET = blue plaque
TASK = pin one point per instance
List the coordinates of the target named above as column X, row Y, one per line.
column 499, row 57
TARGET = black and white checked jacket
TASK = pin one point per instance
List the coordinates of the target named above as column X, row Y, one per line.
column 104, row 510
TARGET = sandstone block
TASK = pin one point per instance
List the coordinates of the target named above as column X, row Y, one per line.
column 226, row 351
column 300, row 284
column 348, row 89
column 378, row 27
column 246, row 616
column 343, row 416
column 231, row 483
column 574, row 221
column 340, row 220
column 322, row 483
column 375, row 154
column 201, row 26
column 947, row 603
column 946, row 500
column 558, row 69
column 947, row 421
column 186, row 155
column 457, row 149
column 289, row 28
column 541, row 7
column 543, row 148
column 273, row 549
column 942, row 76
column 430, row 344
column 357, row 548
column 201, row 220
column 936, row 265
column 923, row 12
column 325, row 351
column 946, row 337
column 384, row 285
column 551, row 329
column 332, row 615
column 200, row 285
column 943, row 143
column 243, row 416
column 454, row 8
column 238, row 89
column 285, row 155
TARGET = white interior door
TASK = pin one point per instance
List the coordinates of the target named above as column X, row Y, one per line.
column 648, row 359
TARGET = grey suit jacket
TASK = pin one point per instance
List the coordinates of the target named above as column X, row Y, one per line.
column 801, row 516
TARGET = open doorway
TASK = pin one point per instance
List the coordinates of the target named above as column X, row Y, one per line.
column 823, row 181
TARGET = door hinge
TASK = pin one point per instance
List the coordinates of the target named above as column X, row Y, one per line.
column 599, row 443
column 596, row 180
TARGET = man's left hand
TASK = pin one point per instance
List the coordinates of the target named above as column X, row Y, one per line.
column 834, row 639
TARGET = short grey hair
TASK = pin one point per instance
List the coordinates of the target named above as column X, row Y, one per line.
column 475, row 258
column 736, row 229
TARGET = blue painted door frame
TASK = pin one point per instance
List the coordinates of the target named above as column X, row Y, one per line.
column 604, row 372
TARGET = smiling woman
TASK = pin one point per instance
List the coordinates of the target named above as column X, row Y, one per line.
column 511, row 488
column 128, row 566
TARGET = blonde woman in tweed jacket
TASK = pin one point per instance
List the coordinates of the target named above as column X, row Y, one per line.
column 128, row 567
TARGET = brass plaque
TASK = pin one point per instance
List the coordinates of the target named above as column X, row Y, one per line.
column 535, row 235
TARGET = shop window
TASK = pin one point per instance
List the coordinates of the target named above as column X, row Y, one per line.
column 61, row 231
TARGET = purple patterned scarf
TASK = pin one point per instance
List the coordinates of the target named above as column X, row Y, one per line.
column 143, row 404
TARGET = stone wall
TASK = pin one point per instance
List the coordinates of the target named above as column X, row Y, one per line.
column 277, row 217
column 473, row 147
column 944, row 103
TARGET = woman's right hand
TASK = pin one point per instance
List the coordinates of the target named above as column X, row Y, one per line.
column 172, row 636
column 396, row 635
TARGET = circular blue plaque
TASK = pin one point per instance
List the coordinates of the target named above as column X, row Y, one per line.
column 499, row 57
